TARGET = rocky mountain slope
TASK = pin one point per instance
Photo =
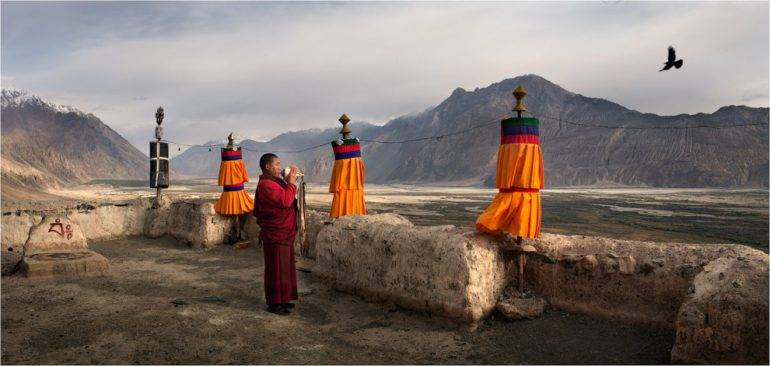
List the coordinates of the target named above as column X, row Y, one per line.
column 661, row 154
column 47, row 146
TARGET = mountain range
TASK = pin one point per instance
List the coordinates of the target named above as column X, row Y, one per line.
column 46, row 146
column 585, row 141
column 650, row 150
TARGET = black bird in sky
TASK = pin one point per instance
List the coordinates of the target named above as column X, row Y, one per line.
column 672, row 61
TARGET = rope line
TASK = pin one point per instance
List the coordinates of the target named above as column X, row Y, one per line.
column 439, row 137
column 482, row 125
column 650, row 127
column 248, row 149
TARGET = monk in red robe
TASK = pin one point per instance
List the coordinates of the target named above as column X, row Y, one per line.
column 276, row 212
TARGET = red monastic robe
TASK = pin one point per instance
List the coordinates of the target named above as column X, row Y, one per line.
column 277, row 219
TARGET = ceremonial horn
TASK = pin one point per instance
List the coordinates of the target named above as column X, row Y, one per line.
column 285, row 173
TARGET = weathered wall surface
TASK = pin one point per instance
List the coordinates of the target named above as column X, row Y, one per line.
column 191, row 221
column 315, row 221
column 715, row 296
column 16, row 227
column 632, row 280
column 15, row 232
column 437, row 269
column 111, row 221
column 97, row 222
column 725, row 315
column 55, row 233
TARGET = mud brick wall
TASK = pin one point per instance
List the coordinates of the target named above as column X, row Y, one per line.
column 437, row 269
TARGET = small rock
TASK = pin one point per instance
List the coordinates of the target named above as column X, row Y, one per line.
column 610, row 265
column 646, row 268
column 589, row 263
column 687, row 271
column 569, row 260
column 515, row 305
column 627, row 265
column 545, row 257
column 214, row 299
column 10, row 262
column 179, row 302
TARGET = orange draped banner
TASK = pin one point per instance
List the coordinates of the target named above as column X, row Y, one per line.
column 519, row 178
column 347, row 182
column 232, row 177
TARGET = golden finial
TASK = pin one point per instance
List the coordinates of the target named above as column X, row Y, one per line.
column 345, row 131
column 519, row 93
column 230, row 142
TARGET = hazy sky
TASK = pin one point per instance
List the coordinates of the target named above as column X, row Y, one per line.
column 260, row 69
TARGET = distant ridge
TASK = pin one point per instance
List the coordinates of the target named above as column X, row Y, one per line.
column 573, row 155
column 45, row 146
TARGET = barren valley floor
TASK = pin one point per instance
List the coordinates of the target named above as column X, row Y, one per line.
column 655, row 214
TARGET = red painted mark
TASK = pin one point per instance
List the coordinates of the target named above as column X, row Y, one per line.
column 62, row 230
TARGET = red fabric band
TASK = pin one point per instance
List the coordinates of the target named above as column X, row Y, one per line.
column 346, row 148
column 517, row 189
column 520, row 139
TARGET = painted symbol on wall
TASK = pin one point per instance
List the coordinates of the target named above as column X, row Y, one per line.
column 59, row 228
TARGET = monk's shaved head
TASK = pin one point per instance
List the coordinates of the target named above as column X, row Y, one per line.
column 266, row 159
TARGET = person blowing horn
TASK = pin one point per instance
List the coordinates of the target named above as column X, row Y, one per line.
column 276, row 211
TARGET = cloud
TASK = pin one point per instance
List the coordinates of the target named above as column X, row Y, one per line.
column 260, row 69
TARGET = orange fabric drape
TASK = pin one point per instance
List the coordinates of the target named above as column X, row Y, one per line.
column 518, row 213
column 519, row 166
column 234, row 203
column 232, row 172
column 232, row 175
column 347, row 184
column 348, row 202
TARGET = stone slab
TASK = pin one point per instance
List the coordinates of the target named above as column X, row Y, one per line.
column 55, row 233
column 65, row 263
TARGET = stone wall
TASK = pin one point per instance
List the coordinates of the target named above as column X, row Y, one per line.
column 97, row 222
column 191, row 221
column 622, row 279
column 725, row 314
column 436, row 269
column 111, row 221
column 715, row 296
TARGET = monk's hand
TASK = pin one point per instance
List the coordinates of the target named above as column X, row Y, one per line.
column 292, row 178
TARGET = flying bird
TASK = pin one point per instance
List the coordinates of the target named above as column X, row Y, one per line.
column 672, row 61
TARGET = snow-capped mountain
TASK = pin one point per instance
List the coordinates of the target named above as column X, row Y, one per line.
column 46, row 145
column 20, row 98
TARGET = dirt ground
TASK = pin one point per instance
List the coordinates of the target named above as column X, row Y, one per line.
column 129, row 317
